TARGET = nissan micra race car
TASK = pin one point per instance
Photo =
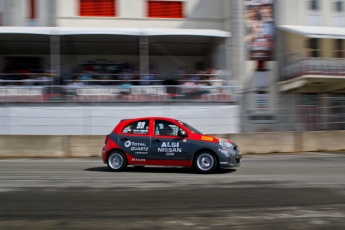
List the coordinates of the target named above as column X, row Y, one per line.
column 167, row 142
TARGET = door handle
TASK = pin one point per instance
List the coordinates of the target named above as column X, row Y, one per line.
column 156, row 141
column 124, row 139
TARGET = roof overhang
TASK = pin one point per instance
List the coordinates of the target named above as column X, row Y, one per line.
column 109, row 41
column 315, row 31
column 313, row 84
column 113, row 31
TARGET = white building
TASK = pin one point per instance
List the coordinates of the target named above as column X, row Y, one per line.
column 188, row 32
column 169, row 34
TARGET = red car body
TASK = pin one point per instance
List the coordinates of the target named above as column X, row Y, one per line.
column 143, row 141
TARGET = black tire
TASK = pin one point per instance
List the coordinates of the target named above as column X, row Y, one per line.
column 116, row 161
column 205, row 162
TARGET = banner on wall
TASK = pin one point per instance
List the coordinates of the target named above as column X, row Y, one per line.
column 259, row 24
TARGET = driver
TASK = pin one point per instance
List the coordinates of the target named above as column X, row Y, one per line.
column 166, row 131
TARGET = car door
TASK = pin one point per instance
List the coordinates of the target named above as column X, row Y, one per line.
column 166, row 144
column 135, row 139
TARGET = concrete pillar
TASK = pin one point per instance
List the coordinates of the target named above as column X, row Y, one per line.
column 238, row 60
column 55, row 57
column 53, row 9
column 144, row 55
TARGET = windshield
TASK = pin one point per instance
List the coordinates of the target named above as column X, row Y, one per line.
column 190, row 128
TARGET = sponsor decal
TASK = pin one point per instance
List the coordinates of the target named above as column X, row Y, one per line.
column 127, row 144
column 169, row 154
column 205, row 138
column 142, row 153
column 170, row 147
column 223, row 151
column 133, row 148
column 140, row 147
column 138, row 159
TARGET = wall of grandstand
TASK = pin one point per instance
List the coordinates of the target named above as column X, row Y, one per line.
column 100, row 120
column 199, row 14
column 16, row 12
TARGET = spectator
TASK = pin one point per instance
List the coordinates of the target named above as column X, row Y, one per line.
column 146, row 79
column 85, row 75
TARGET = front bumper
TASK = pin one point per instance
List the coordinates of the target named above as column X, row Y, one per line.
column 231, row 157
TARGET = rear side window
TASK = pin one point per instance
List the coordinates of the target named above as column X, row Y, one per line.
column 137, row 127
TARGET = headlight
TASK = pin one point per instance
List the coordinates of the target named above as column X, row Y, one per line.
column 225, row 143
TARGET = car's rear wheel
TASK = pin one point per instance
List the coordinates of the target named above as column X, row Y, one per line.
column 116, row 161
column 205, row 162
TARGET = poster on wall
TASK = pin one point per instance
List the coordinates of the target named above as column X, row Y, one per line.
column 259, row 29
column 261, row 101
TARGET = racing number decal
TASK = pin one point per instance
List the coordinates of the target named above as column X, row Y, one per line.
column 141, row 128
column 141, row 125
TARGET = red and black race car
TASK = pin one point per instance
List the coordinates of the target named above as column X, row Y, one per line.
column 167, row 142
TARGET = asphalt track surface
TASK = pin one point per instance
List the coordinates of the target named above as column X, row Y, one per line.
column 285, row 191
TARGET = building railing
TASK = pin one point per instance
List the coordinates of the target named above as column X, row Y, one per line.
column 117, row 93
column 314, row 66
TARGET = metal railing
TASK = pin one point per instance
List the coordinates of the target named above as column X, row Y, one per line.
column 314, row 66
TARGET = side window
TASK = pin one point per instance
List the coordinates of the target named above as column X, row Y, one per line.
column 137, row 127
column 166, row 128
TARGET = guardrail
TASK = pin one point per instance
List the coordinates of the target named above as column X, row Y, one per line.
column 116, row 93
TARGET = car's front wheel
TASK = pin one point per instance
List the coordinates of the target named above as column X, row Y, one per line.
column 116, row 161
column 205, row 162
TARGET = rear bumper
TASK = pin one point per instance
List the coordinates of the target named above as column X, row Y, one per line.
column 104, row 155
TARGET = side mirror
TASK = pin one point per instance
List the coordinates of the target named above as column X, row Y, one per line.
column 182, row 133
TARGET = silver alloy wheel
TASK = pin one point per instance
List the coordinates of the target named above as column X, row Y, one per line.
column 205, row 161
column 115, row 161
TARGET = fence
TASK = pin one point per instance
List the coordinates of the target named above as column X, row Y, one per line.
column 294, row 112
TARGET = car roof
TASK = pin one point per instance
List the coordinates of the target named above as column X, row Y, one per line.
column 146, row 118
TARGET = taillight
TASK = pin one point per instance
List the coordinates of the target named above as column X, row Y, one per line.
column 106, row 139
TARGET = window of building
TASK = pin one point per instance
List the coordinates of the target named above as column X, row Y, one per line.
column 338, row 6
column 97, row 8
column 137, row 127
column 339, row 48
column 338, row 14
column 314, row 13
column 314, row 5
column 165, row 9
column 32, row 9
column 313, row 47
